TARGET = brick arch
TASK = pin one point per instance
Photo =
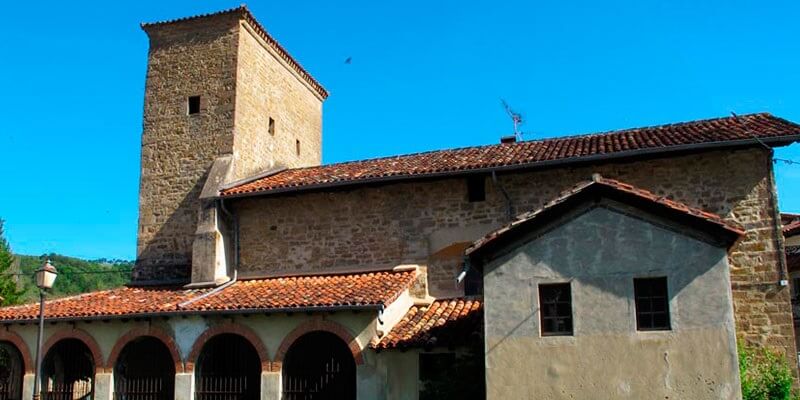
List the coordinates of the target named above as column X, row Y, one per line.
column 313, row 326
column 233, row 328
column 139, row 332
column 81, row 335
column 22, row 347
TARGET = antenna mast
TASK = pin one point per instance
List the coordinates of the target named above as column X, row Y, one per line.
column 516, row 118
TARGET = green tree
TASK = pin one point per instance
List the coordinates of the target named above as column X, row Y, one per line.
column 765, row 374
column 8, row 286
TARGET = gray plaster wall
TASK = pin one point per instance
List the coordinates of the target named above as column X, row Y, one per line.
column 599, row 251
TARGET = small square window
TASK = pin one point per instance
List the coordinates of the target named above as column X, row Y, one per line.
column 194, row 105
column 271, row 126
column 476, row 189
column 555, row 309
column 297, row 146
column 652, row 304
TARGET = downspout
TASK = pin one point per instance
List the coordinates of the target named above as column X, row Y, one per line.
column 776, row 216
column 773, row 205
column 220, row 204
column 509, row 203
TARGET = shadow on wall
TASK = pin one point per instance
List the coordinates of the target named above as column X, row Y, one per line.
column 166, row 254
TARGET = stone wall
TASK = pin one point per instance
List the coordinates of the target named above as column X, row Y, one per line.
column 241, row 83
column 266, row 89
column 196, row 57
column 406, row 223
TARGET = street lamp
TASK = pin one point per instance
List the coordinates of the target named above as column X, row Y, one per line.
column 45, row 277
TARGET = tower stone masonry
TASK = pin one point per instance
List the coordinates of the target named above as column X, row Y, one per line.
column 258, row 109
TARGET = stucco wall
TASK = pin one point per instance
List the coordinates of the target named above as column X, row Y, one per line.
column 600, row 251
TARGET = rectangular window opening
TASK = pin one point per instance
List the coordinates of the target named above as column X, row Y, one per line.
column 652, row 304
column 476, row 189
column 194, row 105
column 271, row 126
column 555, row 309
column 297, row 146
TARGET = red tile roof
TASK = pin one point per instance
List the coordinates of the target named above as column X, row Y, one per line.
column 284, row 294
column 718, row 132
column 247, row 15
column 442, row 323
column 612, row 187
column 791, row 228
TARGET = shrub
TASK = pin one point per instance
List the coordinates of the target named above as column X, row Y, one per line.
column 765, row 375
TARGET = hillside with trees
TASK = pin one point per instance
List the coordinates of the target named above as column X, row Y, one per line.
column 74, row 275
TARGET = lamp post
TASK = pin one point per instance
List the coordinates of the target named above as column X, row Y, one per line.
column 45, row 277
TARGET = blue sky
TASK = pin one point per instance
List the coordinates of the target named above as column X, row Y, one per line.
column 424, row 75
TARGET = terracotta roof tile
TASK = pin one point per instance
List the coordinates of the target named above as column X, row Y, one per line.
column 612, row 185
column 791, row 228
column 247, row 15
column 443, row 322
column 364, row 289
column 721, row 131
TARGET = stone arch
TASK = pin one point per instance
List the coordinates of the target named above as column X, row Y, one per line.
column 150, row 331
column 19, row 343
column 81, row 335
column 233, row 328
column 317, row 325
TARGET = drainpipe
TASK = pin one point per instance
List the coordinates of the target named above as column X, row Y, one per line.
column 509, row 203
column 773, row 205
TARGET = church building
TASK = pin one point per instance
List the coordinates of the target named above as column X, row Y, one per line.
column 615, row 265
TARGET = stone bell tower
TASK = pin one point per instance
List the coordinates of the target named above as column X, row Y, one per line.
column 219, row 90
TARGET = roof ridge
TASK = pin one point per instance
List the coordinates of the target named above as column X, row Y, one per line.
column 540, row 140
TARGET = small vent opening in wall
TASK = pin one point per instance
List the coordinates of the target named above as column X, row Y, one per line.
column 194, row 105
column 271, row 126
column 297, row 146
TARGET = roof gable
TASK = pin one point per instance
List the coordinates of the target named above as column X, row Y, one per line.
column 724, row 233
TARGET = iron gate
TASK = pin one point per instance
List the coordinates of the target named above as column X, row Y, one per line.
column 148, row 388
column 319, row 366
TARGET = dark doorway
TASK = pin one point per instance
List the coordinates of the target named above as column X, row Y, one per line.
column 144, row 371
column 319, row 366
column 228, row 368
column 68, row 372
column 11, row 372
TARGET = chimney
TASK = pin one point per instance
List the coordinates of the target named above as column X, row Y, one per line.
column 508, row 139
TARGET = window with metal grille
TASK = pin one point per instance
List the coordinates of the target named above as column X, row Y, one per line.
column 555, row 309
column 194, row 105
column 652, row 304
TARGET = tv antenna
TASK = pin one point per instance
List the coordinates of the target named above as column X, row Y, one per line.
column 516, row 118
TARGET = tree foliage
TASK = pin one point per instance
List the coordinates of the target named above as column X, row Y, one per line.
column 765, row 375
column 74, row 275
column 8, row 286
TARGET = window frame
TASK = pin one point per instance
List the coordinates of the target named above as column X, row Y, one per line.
column 639, row 298
column 543, row 318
